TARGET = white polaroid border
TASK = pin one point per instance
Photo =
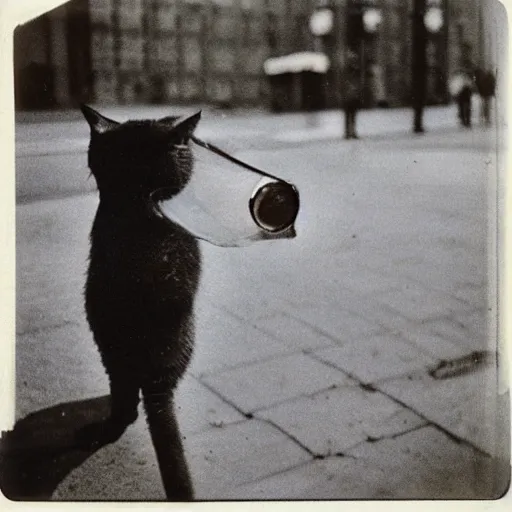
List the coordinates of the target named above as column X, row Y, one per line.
column 16, row 12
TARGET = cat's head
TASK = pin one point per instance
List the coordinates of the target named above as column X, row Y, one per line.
column 133, row 159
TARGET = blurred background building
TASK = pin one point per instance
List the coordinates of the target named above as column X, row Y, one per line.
column 213, row 51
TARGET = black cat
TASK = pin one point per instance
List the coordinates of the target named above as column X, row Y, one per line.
column 142, row 278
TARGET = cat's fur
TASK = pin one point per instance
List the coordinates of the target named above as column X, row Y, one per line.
column 141, row 282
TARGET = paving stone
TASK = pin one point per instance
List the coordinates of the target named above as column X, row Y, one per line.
column 385, row 319
column 478, row 324
column 367, row 282
column 330, row 479
column 330, row 422
column 313, row 300
column 406, row 262
column 375, row 358
column 436, row 467
column 474, row 295
column 261, row 385
column 292, row 332
column 221, row 286
column 399, row 468
column 283, row 284
column 375, row 260
column 338, row 323
column 434, row 344
column 455, row 330
column 236, row 454
column 223, row 341
column 443, row 337
column 420, row 305
column 465, row 405
column 437, row 342
column 365, row 318
column 411, row 286
column 439, row 277
column 199, row 409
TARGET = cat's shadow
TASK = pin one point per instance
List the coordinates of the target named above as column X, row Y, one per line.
column 41, row 449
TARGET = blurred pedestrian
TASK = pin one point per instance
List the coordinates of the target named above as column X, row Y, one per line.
column 351, row 85
column 461, row 88
column 464, row 102
column 485, row 82
column 377, row 84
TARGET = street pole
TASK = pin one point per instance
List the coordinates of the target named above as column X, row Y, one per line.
column 419, row 78
column 482, row 60
column 321, row 24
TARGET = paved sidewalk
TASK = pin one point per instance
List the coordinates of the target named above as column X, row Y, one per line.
column 312, row 376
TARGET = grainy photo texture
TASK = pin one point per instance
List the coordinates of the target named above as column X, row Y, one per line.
column 258, row 251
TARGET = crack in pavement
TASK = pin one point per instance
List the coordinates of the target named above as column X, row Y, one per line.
column 374, row 387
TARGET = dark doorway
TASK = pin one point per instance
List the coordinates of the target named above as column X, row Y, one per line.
column 33, row 72
column 79, row 50
column 52, row 61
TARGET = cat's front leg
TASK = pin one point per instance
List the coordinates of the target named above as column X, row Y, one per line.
column 159, row 405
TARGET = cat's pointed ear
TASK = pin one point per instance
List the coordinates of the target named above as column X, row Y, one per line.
column 185, row 127
column 169, row 120
column 97, row 122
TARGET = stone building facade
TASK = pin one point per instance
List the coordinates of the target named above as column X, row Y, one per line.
column 212, row 51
